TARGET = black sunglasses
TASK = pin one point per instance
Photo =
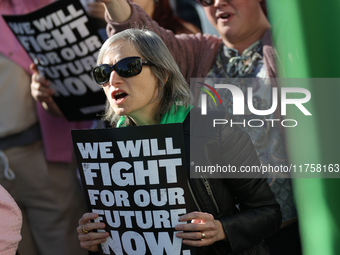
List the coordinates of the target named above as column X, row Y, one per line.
column 126, row 67
column 207, row 2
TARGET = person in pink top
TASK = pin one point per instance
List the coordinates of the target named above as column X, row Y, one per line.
column 37, row 165
column 10, row 223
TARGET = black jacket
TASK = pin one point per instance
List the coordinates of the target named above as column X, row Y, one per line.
column 246, row 207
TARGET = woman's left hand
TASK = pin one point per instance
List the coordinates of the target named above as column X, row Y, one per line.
column 203, row 230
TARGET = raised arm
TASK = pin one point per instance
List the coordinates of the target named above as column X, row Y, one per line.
column 117, row 10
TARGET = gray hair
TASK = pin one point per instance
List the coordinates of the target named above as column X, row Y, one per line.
column 171, row 83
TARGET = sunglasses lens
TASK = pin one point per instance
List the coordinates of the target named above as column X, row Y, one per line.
column 102, row 74
column 126, row 67
column 129, row 67
column 207, row 2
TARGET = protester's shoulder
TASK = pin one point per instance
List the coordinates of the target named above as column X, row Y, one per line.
column 215, row 128
column 196, row 113
column 206, row 124
column 267, row 38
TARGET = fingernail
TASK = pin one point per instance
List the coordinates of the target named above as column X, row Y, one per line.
column 36, row 61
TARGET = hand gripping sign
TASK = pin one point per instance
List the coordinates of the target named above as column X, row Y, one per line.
column 135, row 178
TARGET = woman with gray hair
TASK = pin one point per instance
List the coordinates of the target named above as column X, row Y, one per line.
column 144, row 86
column 171, row 85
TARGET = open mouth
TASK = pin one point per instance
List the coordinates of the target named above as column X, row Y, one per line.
column 120, row 95
column 224, row 16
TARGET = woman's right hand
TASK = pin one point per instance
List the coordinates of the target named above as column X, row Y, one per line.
column 41, row 92
column 40, row 88
column 89, row 239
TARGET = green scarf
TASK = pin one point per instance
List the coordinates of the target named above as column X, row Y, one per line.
column 167, row 118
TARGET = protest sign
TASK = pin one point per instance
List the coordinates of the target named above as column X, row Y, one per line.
column 136, row 180
column 63, row 41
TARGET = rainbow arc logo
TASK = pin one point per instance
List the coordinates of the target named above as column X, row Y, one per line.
column 204, row 97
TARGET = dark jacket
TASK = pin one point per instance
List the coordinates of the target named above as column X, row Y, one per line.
column 246, row 207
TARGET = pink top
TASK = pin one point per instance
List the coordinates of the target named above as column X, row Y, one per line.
column 9, row 46
column 10, row 223
column 55, row 130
